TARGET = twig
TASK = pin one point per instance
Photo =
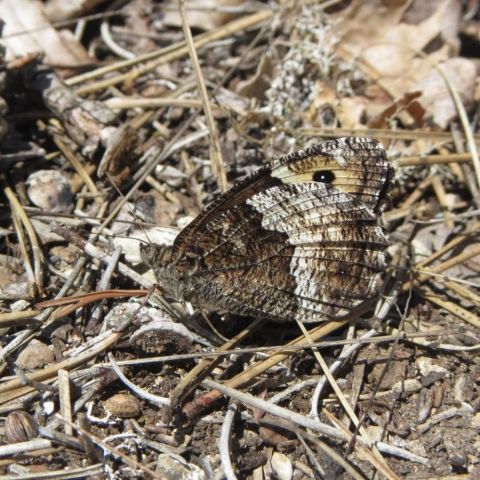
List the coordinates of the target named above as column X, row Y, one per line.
column 224, row 444
column 111, row 44
column 64, row 398
column 294, row 417
column 91, row 471
column 155, row 399
column 22, row 447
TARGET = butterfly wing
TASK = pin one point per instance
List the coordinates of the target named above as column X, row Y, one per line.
column 298, row 239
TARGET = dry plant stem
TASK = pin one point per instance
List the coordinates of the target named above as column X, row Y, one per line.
column 26, row 334
column 37, row 253
column 471, row 145
column 297, row 419
column 95, row 252
column 456, row 241
column 384, row 447
column 441, row 417
column 105, row 283
column 217, row 160
column 313, row 459
column 441, row 194
column 175, row 52
column 344, row 355
column 374, row 132
column 193, row 407
column 113, row 451
column 149, row 103
column 111, row 44
column 417, row 194
column 78, row 166
column 65, row 398
column 155, row 399
column 189, row 382
column 16, row 319
column 451, row 307
column 91, row 297
column 22, row 447
column 341, row 397
column 425, row 160
column 92, row 471
column 41, row 387
column 23, row 252
column 451, row 262
column 224, row 443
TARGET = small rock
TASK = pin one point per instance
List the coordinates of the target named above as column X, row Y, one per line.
column 406, row 387
column 375, row 432
column 123, row 405
column 281, row 466
column 174, row 467
column 14, row 279
column 35, row 355
column 429, row 371
column 50, row 190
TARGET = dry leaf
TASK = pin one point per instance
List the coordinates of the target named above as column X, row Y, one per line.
column 437, row 100
column 31, row 32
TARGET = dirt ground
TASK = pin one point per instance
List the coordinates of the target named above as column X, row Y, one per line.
column 119, row 123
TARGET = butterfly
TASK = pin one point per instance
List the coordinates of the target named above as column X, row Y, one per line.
column 299, row 239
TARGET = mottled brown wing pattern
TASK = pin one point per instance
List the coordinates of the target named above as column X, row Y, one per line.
column 298, row 239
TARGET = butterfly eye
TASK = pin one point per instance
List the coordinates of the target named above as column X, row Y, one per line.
column 324, row 176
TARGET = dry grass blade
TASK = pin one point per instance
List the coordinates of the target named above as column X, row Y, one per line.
column 316, row 333
column 194, row 377
column 426, row 160
column 451, row 307
column 36, row 250
column 467, row 130
column 174, row 52
column 217, row 160
column 380, row 133
column 78, row 166
column 341, row 397
column 380, row 466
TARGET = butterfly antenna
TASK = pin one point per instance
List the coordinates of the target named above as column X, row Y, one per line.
column 134, row 215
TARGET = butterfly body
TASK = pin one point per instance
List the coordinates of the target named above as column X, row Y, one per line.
column 298, row 239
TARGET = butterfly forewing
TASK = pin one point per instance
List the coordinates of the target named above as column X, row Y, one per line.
column 298, row 239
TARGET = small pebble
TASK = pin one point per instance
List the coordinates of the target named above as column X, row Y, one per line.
column 35, row 355
column 50, row 190
column 123, row 405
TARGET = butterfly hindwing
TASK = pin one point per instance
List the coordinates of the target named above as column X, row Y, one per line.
column 298, row 239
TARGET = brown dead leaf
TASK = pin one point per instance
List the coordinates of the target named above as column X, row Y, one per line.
column 31, row 32
column 387, row 46
column 408, row 102
column 437, row 100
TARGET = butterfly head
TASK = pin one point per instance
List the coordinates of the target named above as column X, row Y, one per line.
column 160, row 259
